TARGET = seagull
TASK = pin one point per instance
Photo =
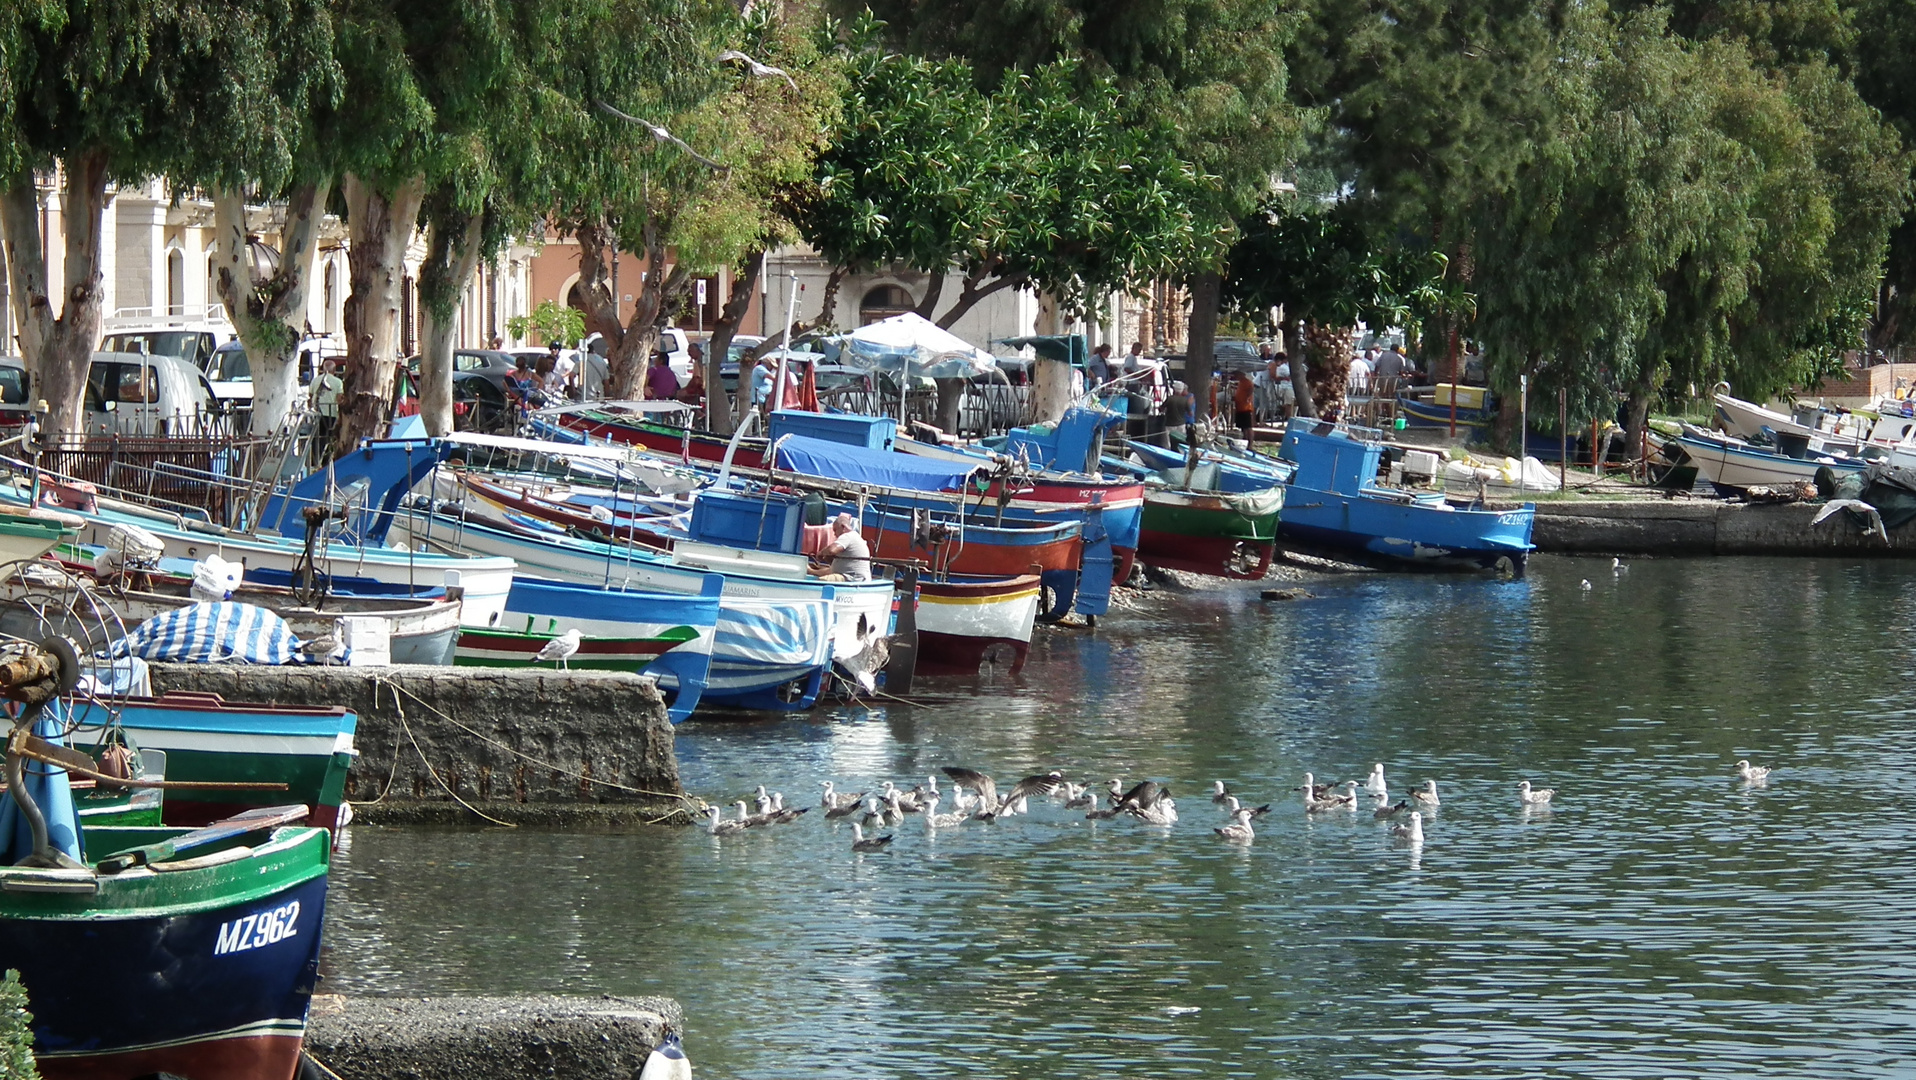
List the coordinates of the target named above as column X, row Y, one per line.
column 755, row 69
column 852, row 805
column 1754, row 774
column 859, row 843
column 1149, row 802
column 936, row 820
column 1240, row 829
column 1383, row 811
column 1232, row 807
column 722, row 827
column 560, row 649
column 1617, row 566
column 783, row 815
column 905, row 800
column 1332, row 800
column 1412, row 833
column 1584, row 585
column 763, row 817
column 1076, row 797
column 1095, row 814
column 1374, row 783
column 667, row 1062
column 832, row 800
column 1219, row 792
column 1535, row 796
column 1317, row 790
column 665, row 136
column 1426, row 795
column 988, row 790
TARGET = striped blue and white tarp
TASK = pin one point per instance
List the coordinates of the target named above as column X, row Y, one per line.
column 208, row 633
column 760, row 644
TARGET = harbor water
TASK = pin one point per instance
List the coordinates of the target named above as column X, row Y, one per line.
column 1664, row 919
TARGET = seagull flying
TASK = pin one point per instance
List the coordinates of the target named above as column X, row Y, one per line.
column 755, row 69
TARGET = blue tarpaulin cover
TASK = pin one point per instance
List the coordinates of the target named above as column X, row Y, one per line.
column 883, row 468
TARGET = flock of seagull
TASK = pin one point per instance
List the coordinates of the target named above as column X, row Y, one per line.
column 976, row 797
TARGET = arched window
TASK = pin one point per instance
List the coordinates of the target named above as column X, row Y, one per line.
column 175, row 282
column 883, row 302
column 329, row 304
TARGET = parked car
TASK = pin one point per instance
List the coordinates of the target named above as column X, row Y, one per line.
column 16, row 403
column 148, row 394
column 230, row 374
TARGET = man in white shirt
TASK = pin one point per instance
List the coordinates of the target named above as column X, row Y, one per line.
column 850, row 557
column 1359, row 379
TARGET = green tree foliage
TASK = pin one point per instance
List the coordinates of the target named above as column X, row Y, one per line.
column 1885, row 40
column 127, row 91
column 1049, row 183
column 551, row 321
column 1329, row 272
column 16, row 1031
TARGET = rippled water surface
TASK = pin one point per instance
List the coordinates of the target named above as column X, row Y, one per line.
column 1665, row 920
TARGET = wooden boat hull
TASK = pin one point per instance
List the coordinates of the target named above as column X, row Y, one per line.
column 964, row 624
column 1199, row 532
column 310, row 750
column 202, row 972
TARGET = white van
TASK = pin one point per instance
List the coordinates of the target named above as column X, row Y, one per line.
column 144, row 394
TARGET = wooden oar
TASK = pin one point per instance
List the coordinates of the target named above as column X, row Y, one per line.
column 252, row 821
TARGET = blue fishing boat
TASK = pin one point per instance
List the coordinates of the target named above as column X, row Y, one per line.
column 149, row 950
column 669, row 637
column 1334, row 504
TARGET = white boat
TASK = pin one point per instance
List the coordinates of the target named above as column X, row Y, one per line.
column 1885, row 424
column 1733, row 463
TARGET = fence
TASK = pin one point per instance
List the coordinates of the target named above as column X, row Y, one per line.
column 181, row 471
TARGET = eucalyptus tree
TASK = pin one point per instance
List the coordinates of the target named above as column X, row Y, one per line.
column 101, row 92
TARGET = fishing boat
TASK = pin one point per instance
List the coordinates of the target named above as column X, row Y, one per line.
column 1210, row 532
column 778, row 630
column 1733, row 463
column 24, row 537
column 667, row 636
column 1334, row 504
column 148, row 950
column 303, row 753
column 965, row 623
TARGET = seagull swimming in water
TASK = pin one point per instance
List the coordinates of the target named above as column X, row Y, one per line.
column 936, row 820
column 1535, row 796
column 667, row 1061
column 1617, row 566
column 1584, row 585
column 1384, row 810
column 1426, row 795
column 1412, row 833
column 721, row 827
column 1219, row 793
column 560, row 649
column 988, row 790
column 834, row 802
column 1240, row 829
column 1233, row 806
column 1077, row 797
column 1095, row 814
column 1752, row 774
column 860, row 843
column 1374, row 783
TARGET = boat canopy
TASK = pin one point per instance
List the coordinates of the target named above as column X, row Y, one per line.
column 879, row 468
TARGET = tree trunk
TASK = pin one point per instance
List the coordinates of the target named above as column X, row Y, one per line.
column 1643, row 390
column 1200, row 350
column 934, row 288
column 1329, row 353
column 951, row 395
column 720, row 414
column 379, row 226
column 452, row 253
column 1050, row 391
column 58, row 351
column 1300, row 369
column 263, row 310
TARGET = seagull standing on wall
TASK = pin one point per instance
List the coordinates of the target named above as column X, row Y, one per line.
column 667, row 1062
column 561, row 649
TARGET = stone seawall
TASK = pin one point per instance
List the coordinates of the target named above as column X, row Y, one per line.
column 1680, row 527
column 533, row 746
column 487, row 1038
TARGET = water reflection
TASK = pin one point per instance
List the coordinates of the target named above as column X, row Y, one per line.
column 1662, row 919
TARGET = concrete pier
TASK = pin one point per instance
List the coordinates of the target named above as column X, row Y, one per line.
column 527, row 746
column 1706, row 527
column 487, row 1038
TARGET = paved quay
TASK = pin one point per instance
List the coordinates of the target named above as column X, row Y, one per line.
column 455, row 745
column 487, row 1038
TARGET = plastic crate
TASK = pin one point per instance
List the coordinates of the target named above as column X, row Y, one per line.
column 759, row 522
column 870, row 432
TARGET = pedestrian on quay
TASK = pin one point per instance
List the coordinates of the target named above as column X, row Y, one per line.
column 326, row 390
column 1098, row 369
column 660, row 383
column 1244, row 404
column 1177, row 415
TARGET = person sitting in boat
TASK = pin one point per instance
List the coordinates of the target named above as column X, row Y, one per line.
column 848, row 557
